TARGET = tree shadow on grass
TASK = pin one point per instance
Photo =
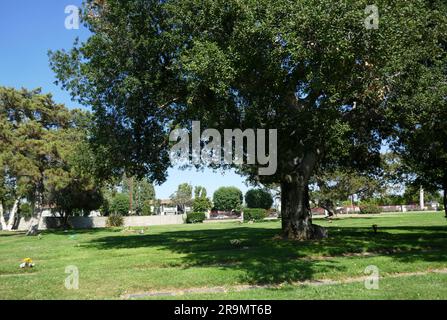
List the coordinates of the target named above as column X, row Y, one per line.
column 403, row 243
column 265, row 260
column 262, row 259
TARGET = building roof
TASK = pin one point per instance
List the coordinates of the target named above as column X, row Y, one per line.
column 168, row 202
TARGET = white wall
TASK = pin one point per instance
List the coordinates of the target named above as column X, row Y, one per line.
column 100, row 222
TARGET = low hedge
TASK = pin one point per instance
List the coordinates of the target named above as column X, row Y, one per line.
column 195, row 217
column 254, row 214
column 114, row 220
column 370, row 209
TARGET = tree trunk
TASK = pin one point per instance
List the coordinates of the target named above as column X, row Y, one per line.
column 329, row 207
column 65, row 218
column 445, row 201
column 2, row 217
column 35, row 222
column 12, row 216
column 296, row 214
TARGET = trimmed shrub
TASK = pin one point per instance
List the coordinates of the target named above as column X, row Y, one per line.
column 195, row 217
column 228, row 198
column 115, row 220
column 258, row 198
column 257, row 214
column 370, row 209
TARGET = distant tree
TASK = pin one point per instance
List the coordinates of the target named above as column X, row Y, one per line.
column 43, row 154
column 74, row 189
column 332, row 188
column 228, row 199
column 183, row 196
column 200, row 192
column 26, row 210
column 7, row 197
column 202, row 205
column 412, row 194
column 75, row 200
column 201, row 202
column 22, row 167
column 142, row 192
column 108, row 191
column 120, row 204
column 258, row 198
column 419, row 110
column 146, row 209
column 395, row 179
column 422, row 134
column 391, row 200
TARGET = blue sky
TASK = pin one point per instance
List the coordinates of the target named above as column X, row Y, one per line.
column 28, row 29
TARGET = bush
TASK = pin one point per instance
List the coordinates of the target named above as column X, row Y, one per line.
column 228, row 198
column 201, row 205
column 26, row 210
column 258, row 198
column 120, row 204
column 115, row 220
column 195, row 217
column 146, row 209
column 370, row 209
column 258, row 214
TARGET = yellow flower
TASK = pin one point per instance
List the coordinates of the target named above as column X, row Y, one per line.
column 28, row 260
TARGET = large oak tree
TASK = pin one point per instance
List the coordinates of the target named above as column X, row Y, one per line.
column 311, row 69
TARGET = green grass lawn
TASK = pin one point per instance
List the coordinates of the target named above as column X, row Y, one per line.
column 115, row 263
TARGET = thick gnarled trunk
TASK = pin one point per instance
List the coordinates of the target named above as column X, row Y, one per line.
column 296, row 214
column 295, row 203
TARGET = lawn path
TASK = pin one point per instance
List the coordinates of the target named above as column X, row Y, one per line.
column 240, row 288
